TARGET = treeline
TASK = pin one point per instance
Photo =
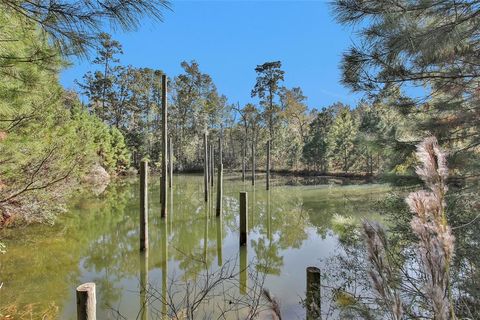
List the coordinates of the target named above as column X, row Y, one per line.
column 337, row 138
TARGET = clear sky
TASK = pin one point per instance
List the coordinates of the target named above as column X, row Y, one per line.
column 229, row 38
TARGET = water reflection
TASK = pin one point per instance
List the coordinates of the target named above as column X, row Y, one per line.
column 144, row 285
column 243, row 252
column 289, row 229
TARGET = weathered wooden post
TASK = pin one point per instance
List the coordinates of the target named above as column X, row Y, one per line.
column 243, row 162
column 243, row 218
column 243, row 269
column 170, row 162
column 143, row 205
column 253, row 162
column 313, row 297
column 205, row 165
column 212, row 167
column 219, row 180
column 86, row 302
column 268, row 165
column 163, row 184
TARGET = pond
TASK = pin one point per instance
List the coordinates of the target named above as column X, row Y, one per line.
column 291, row 227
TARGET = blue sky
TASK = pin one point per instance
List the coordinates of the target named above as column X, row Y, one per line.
column 229, row 38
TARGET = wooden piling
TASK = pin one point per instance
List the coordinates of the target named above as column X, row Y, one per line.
column 143, row 205
column 244, row 164
column 268, row 165
column 313, row 296
column 163, row 184
column 170, row 162
column 212, row 169
column 243, row 218
column 219, row 180
column 86, row 302
column 253, row 162
column 219, row 207
column 205, row 165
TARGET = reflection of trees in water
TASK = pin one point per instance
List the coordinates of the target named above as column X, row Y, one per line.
column 103, row 234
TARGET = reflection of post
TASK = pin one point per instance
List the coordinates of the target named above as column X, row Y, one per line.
column 144, row 285
column 219, row 241
column 171, row 210
column 205, row 166
column 163, row 186
column 269, row 218
column 164, row 267
column 205, row 241
column 170, row 162
column 243, row 269
column 243, row 218
column 313, row 298
column 143, row 205
column 268, row 165
column 86, row 302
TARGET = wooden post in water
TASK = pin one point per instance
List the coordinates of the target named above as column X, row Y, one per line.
column 219, row 180
column 313, row 297
column 268, row 165
column 205, row 165
column 170, row 162
column 243, row 162
column 212, row 167
column 143, row 205
column 253, row 162
column 86, row 302
column 243, row 218
column 163, row 183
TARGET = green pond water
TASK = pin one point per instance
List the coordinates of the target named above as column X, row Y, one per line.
column 291, row 227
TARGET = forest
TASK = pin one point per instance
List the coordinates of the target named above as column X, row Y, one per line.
column 416, row 67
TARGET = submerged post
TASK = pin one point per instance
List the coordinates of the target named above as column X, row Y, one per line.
column 86, row 302
column 243, row 218
column 205, row 165
column 143, row 205
column 163, row 184
column 170, row 162
column 313, row 297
